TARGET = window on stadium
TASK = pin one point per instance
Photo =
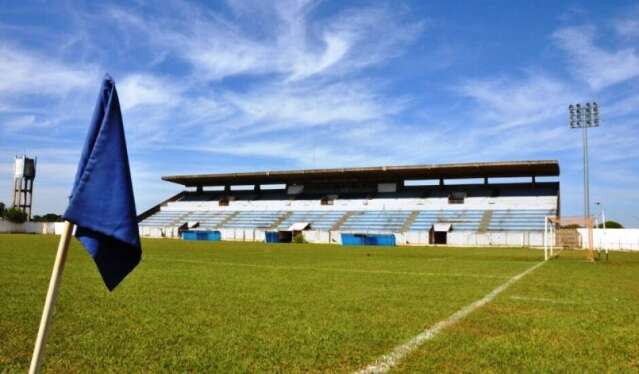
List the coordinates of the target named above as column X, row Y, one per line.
column 456, row 197
column 327, row 201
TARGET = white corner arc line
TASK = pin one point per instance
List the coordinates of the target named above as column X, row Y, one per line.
column 387, row 361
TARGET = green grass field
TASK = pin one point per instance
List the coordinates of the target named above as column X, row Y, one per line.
column 251, row 307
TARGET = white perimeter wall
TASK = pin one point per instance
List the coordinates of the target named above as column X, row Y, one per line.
column 612, row 239
column 32, row 227
column 455, row 238
column 477, row 239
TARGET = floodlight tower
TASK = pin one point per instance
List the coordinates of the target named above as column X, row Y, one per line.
column 584, row 117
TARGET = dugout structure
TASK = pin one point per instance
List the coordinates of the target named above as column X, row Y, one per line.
column 464, row 204
column 568, row 233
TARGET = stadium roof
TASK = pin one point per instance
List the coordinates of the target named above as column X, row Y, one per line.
column 375, row 174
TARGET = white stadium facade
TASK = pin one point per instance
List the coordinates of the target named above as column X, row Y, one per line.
column 494, row 203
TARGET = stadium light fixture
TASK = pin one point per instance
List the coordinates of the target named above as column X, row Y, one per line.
column 583, row 117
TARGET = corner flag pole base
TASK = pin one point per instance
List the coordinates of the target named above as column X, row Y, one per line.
column 52, row 294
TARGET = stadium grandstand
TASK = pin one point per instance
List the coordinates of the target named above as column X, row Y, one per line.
column 493, row 203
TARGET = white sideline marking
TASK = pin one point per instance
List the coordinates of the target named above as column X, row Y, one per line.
column 339, row 270
column 387, row 361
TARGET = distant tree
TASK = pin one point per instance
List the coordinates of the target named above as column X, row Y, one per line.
column 15, row 215
column 51, row 217
column 1, row 209
column 611, row 225
column 36, row 218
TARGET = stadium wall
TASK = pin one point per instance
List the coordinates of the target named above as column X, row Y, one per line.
column 612, row 239
column 54, row 228
column 410, row 238
column 477, row 239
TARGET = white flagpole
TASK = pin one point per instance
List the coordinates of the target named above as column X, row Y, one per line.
column 52, row 294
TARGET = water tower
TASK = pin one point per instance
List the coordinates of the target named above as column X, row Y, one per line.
column 23, row 184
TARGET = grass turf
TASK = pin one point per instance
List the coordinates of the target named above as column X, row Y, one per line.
column 251, row 307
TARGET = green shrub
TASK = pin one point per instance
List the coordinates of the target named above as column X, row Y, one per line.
column 298, row 238
column 611, row 225
column 15, row 215
column 49, row 217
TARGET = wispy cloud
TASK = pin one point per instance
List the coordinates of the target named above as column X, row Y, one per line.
column 308, row 70
column 26, row 72
column 512, row 102
column 628, row 27
column 148, row 90
column 597, row 66
column 292, row 45
column 299, row 105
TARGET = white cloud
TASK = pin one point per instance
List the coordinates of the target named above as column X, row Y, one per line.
column 298, row 105
column 302, row 64
column 508, row 102
column 628, row 28
column 291, row 45
column 624, row 105
column 597, row 66
column 147, row 89
column 19, row 123
column 26, row 72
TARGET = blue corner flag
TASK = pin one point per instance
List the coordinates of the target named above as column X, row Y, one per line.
column 102, row 205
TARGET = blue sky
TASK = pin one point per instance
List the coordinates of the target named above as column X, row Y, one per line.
column 254, row 85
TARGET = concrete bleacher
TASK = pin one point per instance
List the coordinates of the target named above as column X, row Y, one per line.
column 319, row 220
column 376, row 221
column 519, row 219
column 253, row 219
column 207, row 219
column 513, row 208
column 342, row 203
column 166, row 218
column 357, row 221
column 462, row 220
column 469, row 220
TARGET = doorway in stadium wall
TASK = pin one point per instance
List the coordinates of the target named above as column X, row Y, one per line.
column 439, row 233
column 437, row 237
column 440, row 237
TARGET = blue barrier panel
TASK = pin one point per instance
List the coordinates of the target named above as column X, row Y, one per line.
column 353, row 239
column 388, row 240
column 201, row 235
column 271, row 237
column 189, row 235
column 368, row 239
